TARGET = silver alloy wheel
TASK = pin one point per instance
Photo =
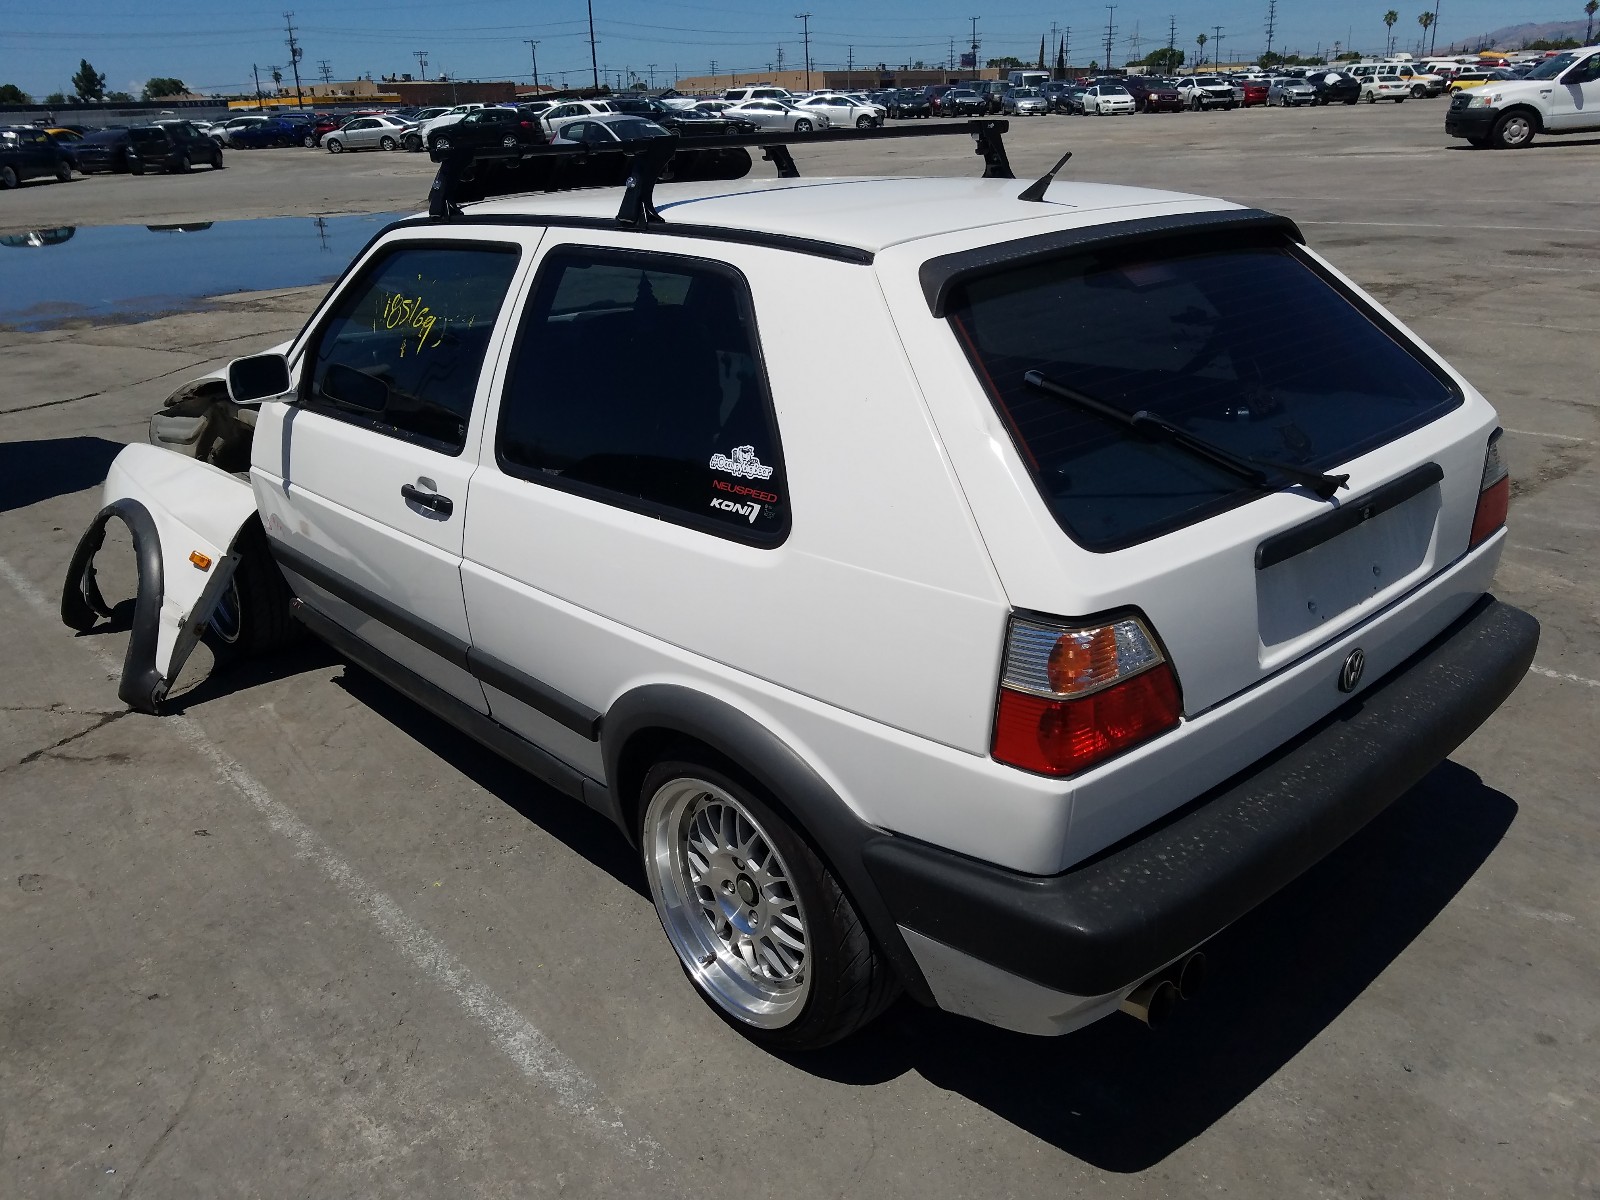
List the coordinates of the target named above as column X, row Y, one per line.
column 1516, row 130
column 727, row 903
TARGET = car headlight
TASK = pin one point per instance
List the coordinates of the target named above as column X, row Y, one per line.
column 1479, row 100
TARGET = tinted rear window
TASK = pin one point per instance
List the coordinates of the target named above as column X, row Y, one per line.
column 148, row 137
column 1236, row 339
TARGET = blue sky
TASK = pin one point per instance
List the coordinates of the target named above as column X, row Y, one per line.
column 211, row 45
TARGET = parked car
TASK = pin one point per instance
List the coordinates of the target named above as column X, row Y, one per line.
column 68, row 140
column 909, row 103
column 108, row 150
column 1467, row 80
column 933, row 93
column 1136, row 728
column 28, row 152
column 1206, row 91
column 377, row 133
column 1287, row 91
column 841, row 111
column 174, row 149
column 776, row 114
column 1251, row 92
column 1153, row 94
column 1560, row 95
column 1025, row 102
column 962, row 102
column 686, row 122
column 1070, row 98
column 1384, row 87
column 1107, row 99
column 223, row 131
column 262, row 135
column 739, row 95
column 448, row 117
column 1334, row 87
column 508, row 128
column 572, row 110
column 1419, row 83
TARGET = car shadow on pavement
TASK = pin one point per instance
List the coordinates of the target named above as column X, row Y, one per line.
column 32, row 471
column 580, row 829
column 1122, row 1097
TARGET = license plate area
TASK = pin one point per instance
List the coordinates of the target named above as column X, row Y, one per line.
column 1309, row 577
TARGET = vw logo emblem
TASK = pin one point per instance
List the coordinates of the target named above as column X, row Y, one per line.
column 1350, row 674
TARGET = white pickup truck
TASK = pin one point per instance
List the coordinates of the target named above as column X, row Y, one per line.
column 999, row 645
column 1560, row 95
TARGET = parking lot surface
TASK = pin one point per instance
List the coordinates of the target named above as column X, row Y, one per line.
column 300, row 938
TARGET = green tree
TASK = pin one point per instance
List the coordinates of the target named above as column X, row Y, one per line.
column 88, row 84
column 1349, row 56
column 161, row 86
column 1426, row 21
column 1041, row 52
column 1589, row 10
column 10, row 93
column 119, row 98
column 1169, row 61
column 1201, row 42
column 1271, row 59
column 1006, row 63
column 56, row 99
column 1389, row 18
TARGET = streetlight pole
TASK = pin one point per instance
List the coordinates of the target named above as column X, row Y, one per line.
column 974, row 21
column 805, row 33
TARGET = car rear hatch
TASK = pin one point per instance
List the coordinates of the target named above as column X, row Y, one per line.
column 1235, row 336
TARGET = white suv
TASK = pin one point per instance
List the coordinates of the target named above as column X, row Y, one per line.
column 1069, row 604
column 1560, row 95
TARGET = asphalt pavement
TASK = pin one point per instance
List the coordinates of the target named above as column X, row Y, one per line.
column 299, row 938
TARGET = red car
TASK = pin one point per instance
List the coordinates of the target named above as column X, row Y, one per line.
column 321, row 123
column 1254, row 92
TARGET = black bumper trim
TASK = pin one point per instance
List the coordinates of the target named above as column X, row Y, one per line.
column 1467, row 122
column 1131, row 910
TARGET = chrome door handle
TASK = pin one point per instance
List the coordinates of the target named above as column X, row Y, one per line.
column 432, row 501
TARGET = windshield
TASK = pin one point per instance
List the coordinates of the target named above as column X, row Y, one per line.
column 636, row 129
column 1234, row 339
column 1209, row 81
column 1551, row 67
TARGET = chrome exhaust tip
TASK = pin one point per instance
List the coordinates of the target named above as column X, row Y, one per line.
column 1191, row 977
column 1152, row 1001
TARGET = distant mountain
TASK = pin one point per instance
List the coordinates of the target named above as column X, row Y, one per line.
column 1511, row 37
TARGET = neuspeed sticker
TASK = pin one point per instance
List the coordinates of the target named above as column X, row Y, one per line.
column 750, row 510
column 739, row 489
column 743, row 464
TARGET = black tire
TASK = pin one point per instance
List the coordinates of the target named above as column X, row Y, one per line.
column 135, row 166
column 216, row 161
column 441, row 142
column 802, row 126
column 63, row 172
column 1419, row 91
column 8, row 177
column 1371, row 97
column 185, row 165
column 1513, row 131
column 253, row 617
column 335, row 146
column 388, row 143
column 411, row 142
column 865, row 122
column 1478, row 142
column 850, row 980
column 309, row 141
column 1352, row 100
column 1399, row 99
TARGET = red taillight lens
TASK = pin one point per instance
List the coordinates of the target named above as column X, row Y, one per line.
column 1494, row 494
column 1072, row 697
column 1062, row 737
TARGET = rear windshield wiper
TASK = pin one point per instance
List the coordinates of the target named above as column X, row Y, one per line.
column 1160, row 429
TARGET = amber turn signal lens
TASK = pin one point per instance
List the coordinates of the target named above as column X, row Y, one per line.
column 203, row 561
column 1082, row 660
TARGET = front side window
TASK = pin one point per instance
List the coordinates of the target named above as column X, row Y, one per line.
column 403, row 347
column 638, row 380
column 1236, row 339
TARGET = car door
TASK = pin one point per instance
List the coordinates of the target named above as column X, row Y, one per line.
column 360, row 134
column 362, row 482
column 1574, row 100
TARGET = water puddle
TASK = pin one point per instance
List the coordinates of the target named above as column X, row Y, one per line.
column 118, row 273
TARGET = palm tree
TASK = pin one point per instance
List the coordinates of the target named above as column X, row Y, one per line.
column 1426, row 21
column 1201, row 42
column 1589, row 10
column 1390, row 17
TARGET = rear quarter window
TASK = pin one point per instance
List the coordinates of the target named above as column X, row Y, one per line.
column 1237, row 339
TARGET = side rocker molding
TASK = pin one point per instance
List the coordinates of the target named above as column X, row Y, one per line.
column 143, row 686
column 837, row 832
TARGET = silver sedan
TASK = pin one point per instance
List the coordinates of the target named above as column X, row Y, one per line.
column 368, row 133
column 1288, row 92
column 775, row 114
column 842, row 111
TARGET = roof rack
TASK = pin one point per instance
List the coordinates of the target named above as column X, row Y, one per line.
column 549, row 167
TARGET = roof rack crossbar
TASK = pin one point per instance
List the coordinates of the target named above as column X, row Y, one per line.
column 649, row 158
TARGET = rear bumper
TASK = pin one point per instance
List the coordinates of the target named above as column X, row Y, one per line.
column 1047, row 953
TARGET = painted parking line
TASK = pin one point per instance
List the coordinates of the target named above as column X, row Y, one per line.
column 1563, row 676
column 528, row 1047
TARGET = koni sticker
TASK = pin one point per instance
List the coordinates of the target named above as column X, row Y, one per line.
column 743, row 464
column 751, row 510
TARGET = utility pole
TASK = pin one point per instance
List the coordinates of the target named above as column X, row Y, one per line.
column 849, row 63
column 1216, row 49
column 1134, row 43
column 1433, row 44
column 594, row 68
column 422, row 62
column 713, row 72
column 1066, row 46
column 974, row 21
column 1272, row 23
column 294, row 58
column 1111, row 34
column 780, row 59
column 652, row 77
column 533, row 46
column 1172, row 42
column 256, row 71
column 951, row 65
column 805, row 33
column 327, row 70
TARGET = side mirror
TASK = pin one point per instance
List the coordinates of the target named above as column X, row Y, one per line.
column 259, row 377
column 354, row 388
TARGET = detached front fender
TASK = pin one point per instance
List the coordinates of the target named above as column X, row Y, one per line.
column 184, row 517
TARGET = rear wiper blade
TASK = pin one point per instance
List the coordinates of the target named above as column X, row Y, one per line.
column 1160, row 429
